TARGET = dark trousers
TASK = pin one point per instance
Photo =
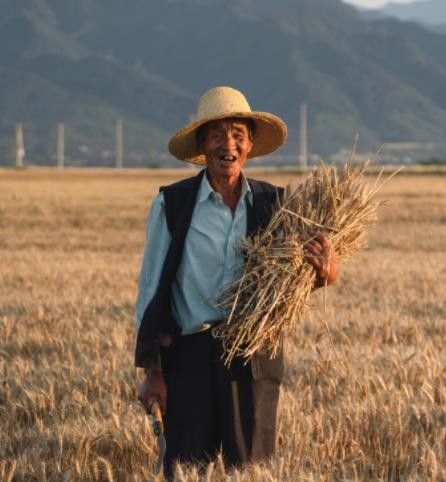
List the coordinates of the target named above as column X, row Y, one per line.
column 212, row 408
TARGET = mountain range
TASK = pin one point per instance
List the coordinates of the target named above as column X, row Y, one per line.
column 89, row 62
column 428, row 12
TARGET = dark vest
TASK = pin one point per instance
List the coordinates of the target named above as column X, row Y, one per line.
column 179, row 207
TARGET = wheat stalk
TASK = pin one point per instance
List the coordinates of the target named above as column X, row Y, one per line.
column 272, row 294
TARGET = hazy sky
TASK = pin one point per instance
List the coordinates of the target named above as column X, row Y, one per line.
column 375, row 3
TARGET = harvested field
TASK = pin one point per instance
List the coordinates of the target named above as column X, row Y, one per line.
column 70, row 249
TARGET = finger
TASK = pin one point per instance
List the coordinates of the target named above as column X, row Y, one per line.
column 314, row 248
column 323, row 272
column 322, row 247
column 317, row 236
column 305, row 237
column 326, row 245
column 310, row 234
column 317, row 246
column 324, row 268
column 163, row 404
column 314, row 261
column 149, row 404
column 320, row 238
column 146, row 399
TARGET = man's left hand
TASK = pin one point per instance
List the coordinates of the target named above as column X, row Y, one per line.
column 320, row 254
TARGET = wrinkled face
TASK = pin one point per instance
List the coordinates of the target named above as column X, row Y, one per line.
column 226, row 144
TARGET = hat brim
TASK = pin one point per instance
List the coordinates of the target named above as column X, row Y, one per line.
column 270, row 134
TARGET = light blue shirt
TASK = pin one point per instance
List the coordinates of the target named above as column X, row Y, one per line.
column 211, row 257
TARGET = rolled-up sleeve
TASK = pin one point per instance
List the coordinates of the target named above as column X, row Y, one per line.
column 157, row 243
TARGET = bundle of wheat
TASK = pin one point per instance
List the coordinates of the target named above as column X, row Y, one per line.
column 272, row 294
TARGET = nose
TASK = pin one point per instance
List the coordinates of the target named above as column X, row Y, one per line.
column 228, row 141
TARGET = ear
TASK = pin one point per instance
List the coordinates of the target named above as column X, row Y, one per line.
column 251, row 145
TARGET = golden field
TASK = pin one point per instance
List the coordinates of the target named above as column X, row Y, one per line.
column 372, row 407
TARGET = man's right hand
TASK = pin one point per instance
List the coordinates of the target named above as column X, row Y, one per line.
column 153, row 389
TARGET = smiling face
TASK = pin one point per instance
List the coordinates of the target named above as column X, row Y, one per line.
column 226, row 144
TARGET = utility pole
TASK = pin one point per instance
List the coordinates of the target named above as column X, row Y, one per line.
column 303, row 136
column 60, row 145
column 119, row 144
column 20, row 146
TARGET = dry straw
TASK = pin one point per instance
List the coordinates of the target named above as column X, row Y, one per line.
column 272, row 294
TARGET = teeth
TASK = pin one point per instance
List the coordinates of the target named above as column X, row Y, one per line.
column 228, row 158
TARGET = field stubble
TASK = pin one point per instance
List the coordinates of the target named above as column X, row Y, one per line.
column 372, row 406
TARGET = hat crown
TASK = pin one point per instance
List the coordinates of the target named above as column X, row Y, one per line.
column 220, row 101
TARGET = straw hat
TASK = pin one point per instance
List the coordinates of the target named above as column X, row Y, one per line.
column 220, row 103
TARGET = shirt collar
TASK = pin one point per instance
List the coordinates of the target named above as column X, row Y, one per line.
column 206, row 190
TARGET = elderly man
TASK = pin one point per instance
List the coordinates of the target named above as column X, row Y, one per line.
column 192, row 253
